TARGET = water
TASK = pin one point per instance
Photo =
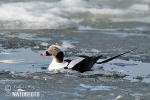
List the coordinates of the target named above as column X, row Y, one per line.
column 61, row 14
column 80, row 27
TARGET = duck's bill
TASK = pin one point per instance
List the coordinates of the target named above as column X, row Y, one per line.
column 46, row 53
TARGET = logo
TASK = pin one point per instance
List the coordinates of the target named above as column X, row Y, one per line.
column 7, row 88
column 20, row 91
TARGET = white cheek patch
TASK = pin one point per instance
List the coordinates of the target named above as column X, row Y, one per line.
column 54, row 49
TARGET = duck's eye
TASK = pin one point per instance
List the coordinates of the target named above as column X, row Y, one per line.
column 54, row 49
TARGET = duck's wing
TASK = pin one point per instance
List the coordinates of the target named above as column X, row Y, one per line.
column 83, row 56
column 86, row 64
column 82, row 64
column 67, row 60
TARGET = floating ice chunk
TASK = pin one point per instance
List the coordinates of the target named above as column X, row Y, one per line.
column 66, row 45
column 11, row 61
column 36, row 47
column 44, row 44
column 118, row 97
column 5, row 53
column 96, row 88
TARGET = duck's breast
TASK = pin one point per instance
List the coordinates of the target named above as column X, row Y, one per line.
column 57, row 66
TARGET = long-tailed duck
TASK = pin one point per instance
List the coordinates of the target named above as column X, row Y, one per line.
column 82, row 64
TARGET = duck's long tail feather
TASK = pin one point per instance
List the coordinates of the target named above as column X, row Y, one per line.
column 109, row 59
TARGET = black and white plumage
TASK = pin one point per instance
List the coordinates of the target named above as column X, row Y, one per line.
column 82, row 64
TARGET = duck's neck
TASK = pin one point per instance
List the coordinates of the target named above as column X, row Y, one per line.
column 55, row 60
column 59, row 57
column 56, row 64
column 58, row 61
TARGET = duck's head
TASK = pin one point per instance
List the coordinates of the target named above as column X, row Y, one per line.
column 55, row 52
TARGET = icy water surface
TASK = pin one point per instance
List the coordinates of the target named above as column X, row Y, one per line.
column 124, row 78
